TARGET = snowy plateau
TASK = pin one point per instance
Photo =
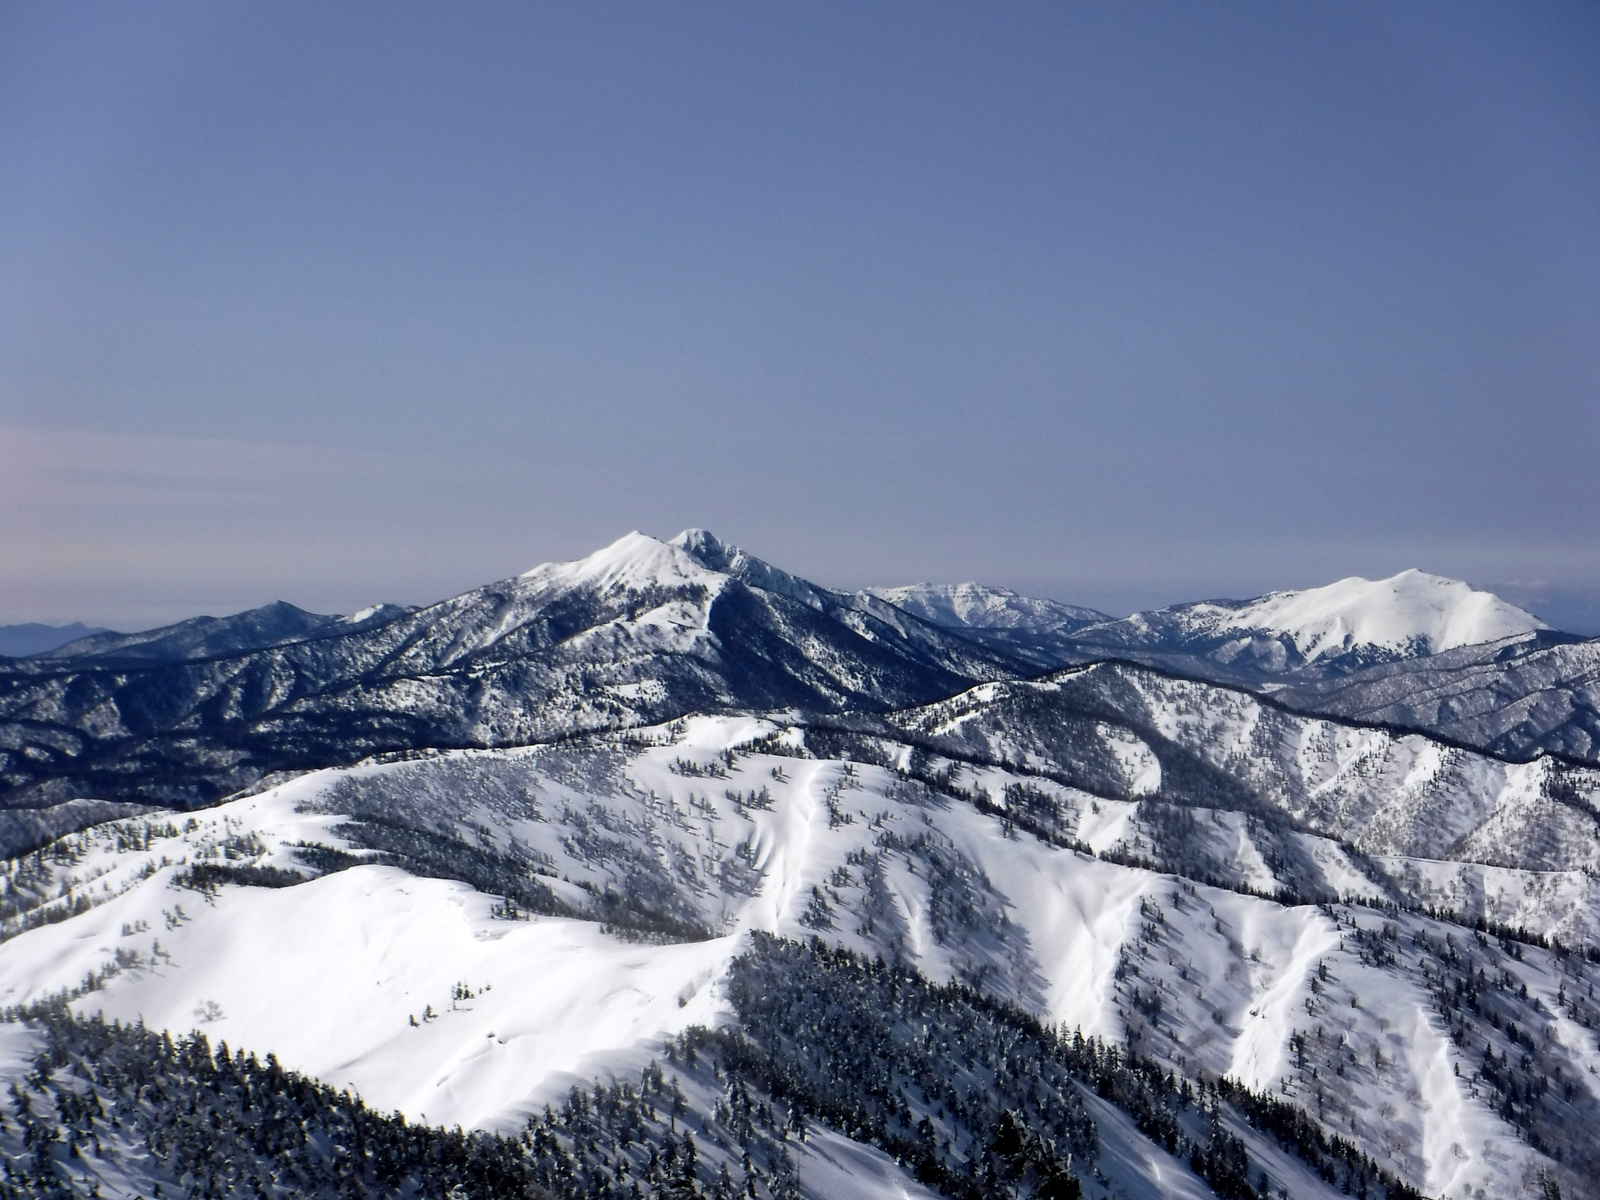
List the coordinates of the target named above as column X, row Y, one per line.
column 668, row 873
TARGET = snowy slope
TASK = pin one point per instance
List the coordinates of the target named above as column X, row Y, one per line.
column 25, row 829
column 717, row 822
column 1160, row 749
column 1125, row 731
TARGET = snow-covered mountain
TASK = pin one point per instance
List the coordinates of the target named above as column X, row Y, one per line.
column 1343, row 626
column 973, row 606
column 1315, row 633
column 767, row 889
column 433, row 935
column 1415, row 650
column 1424, row 823
column 1034, row 631
column 639, row 632
column 1531, row 694
column 1409, row 613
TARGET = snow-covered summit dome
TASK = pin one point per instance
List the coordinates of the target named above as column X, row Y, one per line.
column 1409, row 611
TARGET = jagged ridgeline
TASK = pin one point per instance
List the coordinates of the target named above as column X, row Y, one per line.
column 973, row 1097
column 644, row 631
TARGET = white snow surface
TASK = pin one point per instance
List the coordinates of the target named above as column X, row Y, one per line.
column 1405, row 612
column 635, row 560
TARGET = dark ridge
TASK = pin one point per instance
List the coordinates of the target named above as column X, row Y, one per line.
column 19, row 641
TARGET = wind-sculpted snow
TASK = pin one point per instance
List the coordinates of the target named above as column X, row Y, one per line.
column 618, row 877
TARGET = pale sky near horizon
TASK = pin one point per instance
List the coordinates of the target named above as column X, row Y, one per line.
column 1122, row 304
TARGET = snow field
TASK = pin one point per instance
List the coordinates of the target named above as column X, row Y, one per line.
column 330, row 974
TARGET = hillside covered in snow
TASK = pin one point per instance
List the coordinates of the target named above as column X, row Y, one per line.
column 667, row 873
column 1521, row 696
column 638, row 632
column 1415, row 651
column 473, row 933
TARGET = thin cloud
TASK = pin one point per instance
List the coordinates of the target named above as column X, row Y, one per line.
column 83, row 469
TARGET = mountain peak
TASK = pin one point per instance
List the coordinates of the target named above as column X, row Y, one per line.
column 706, row 547
column 711, row 552
column 1410, row 609
column 634, row 560
column 695, row 556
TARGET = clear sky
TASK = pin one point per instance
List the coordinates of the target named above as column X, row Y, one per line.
column 1120, row 303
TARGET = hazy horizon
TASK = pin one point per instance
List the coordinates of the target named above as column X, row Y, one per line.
column 1119, row 306
column 1569, row 609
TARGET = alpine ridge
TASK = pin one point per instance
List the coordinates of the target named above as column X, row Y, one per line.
column 636, row 633
column 1415, row 651
column 666, row 873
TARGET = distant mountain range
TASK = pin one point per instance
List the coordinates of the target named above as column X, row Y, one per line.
column 275, row 624
column 644, row 631
column 690, row 877
column 18, row 641
column 1316, row 633
column 1414, row 651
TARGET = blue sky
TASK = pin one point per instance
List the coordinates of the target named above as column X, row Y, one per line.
column 1124, row 304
